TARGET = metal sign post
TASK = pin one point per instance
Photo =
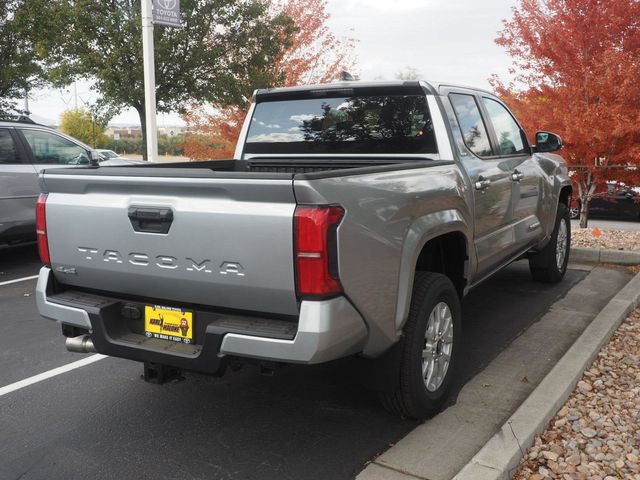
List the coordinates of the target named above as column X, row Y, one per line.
column 149, row 81
column 162, row 12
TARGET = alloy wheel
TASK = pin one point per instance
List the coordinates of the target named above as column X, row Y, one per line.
column 561, row 244
column 438, row 344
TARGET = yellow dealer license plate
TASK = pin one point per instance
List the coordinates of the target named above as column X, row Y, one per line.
column 168, row 323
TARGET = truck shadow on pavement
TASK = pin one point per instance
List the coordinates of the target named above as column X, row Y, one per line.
column 500, row 310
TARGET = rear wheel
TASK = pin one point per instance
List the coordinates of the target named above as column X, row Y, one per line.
column 429, row 348
column 550, row 264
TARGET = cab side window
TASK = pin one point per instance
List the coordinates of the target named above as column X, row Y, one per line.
column 8, row 151
column 473, row 129
column 51, row 148
column 510, row 138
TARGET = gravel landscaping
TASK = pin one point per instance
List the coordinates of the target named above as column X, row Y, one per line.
column 609, row 239
column 596, row 434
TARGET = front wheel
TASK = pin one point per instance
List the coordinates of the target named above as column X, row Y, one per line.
column 550, row 264
column 429, row 348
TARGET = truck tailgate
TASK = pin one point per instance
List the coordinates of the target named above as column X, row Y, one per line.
column 229, row 241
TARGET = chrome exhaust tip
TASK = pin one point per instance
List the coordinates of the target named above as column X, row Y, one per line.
column 80, row 344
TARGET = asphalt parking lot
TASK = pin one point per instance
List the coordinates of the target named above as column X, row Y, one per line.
column 102, row 421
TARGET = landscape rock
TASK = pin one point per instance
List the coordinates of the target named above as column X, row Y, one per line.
column 596, row 434
column 608, row 239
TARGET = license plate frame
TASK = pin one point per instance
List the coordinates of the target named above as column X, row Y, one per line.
column 169, row 323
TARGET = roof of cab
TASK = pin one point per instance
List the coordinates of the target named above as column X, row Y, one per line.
column 415, row 86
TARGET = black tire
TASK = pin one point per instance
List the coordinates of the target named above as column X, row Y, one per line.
column 544, row 264
column 411, row 398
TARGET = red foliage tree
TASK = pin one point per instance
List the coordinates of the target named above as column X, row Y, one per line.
column 316, row 55
column 213, row 136
column 576, row 72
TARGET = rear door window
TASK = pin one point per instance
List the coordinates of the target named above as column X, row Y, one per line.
column 357, row 124
column 50, row 148
column 8, row 152
column 508, row 133
column 473, row 129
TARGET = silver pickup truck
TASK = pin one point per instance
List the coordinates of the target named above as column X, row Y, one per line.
column 353, row 219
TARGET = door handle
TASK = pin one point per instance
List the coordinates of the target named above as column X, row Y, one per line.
column 516, row 176
column 482, row 183
column 150, row 220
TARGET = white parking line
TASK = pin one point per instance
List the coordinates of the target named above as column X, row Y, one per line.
column 51, row 373
column 23, row 279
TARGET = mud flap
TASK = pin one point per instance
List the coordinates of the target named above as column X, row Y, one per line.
column 382, row 374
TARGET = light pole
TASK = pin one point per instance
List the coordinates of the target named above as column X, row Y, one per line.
column 149, row 81
column 27, row 112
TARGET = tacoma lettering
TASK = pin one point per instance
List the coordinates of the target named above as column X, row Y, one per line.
column 168, row 262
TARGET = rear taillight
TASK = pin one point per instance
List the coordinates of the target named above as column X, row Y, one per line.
column 41, row 229
column 316, row 251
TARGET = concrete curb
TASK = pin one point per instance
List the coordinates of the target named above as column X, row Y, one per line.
column 602, row 255
column 501, row 455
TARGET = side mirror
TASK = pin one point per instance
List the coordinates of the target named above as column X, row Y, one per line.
column 96, row 157
column 548, row 142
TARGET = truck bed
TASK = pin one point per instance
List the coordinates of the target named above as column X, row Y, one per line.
column 267, row 168
column 217, row 233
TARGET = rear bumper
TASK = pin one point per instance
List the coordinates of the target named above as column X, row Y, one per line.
column 325, row 330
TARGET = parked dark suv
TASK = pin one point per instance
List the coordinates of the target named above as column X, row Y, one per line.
column 26, row 148
column 620, row 202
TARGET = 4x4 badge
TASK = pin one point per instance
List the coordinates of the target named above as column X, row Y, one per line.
column 66, row 270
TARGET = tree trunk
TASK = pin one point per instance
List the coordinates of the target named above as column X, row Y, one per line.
column 586, row 189
column 584, row 211
column 143, row 125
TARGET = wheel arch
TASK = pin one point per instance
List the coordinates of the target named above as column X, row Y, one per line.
column 438, row 242
column 566, row 192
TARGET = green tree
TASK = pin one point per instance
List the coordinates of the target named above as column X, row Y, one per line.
column 225, row 48
column 170, row 145
column 126, row 146
column 81, row 124
column 20, row 69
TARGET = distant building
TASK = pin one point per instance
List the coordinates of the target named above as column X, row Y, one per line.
column 171, row 131
column 133, row 132
column 124, row 132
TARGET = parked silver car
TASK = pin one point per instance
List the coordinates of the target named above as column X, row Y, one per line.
column 113, row 158
column 26, row 149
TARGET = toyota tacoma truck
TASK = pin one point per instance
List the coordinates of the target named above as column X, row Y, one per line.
column 351, row 221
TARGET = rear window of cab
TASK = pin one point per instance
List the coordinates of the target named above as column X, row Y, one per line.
column 370, row 124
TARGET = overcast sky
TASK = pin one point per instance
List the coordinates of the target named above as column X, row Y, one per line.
column 450, row 40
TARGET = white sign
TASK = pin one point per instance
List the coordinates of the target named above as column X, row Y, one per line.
column 167, row 12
